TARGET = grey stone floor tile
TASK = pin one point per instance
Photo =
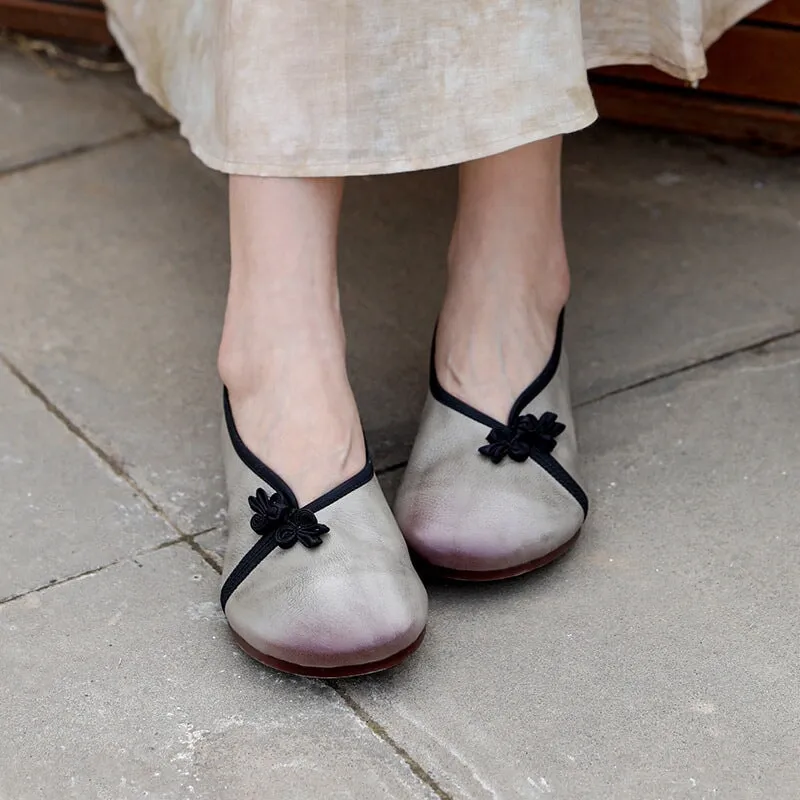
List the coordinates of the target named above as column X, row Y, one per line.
column 124, row 83
column 702, row 173
column 691, row 295
column 125, row 684
column 681, row 250
column 48, row 109
column 112, row 287
column 390, row 482
column 659, row 659
column 63, row 510
column 393, row 244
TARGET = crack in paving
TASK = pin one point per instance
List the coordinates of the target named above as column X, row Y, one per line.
column 78, row 150
column 93, row 571
column 778, row 337
column 57, row 582
column 387, row 739
column 206, row 530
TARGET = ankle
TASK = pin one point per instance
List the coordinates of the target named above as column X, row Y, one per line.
column 250, row 359
column 540, row 282
column 295, row 410
column 496, row 334
column 506, row 303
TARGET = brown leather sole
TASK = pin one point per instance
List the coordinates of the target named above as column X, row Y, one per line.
column 445, row 573
column 347, row 671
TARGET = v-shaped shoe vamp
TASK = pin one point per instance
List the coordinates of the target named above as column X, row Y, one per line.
column 345, row 599
column 472, row 516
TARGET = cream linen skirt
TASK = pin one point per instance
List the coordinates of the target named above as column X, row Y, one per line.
column 353, row 87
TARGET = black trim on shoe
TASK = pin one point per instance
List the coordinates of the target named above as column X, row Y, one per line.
column 266, row 544
column 270, row 477
column 284, row 528
column 541, row 382
column 250, row 560
column 546, row 461
column 250, row 459
column 450, row 400
column 551, row 466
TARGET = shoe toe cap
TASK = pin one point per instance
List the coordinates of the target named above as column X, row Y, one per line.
column 461, row 529
column 332, row 621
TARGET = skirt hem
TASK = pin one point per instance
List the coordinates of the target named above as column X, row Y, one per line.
column 331, row 169
column 690, row 73
column 386, row 166
column 218, row 154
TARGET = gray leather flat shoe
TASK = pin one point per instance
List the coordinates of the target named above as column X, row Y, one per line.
column 346, row 601
column 483, row 499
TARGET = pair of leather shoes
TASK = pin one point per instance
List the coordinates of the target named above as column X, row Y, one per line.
column 329, row 589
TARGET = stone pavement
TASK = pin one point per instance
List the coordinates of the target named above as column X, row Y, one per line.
column 659, row 661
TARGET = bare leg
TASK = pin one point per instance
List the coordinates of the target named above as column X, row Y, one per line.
column 282, row 355
column 508, row 277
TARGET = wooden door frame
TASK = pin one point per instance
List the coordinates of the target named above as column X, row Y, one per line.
column 78, row 20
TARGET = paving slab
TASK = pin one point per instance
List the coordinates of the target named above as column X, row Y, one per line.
column 681, row 250
column 696, row 170
column 390, row 483
column 124, row 84
column 112, row 287
column 64, row 512
column 50, row 108
column 659, row 659
column 162, row 705
column 393, row 243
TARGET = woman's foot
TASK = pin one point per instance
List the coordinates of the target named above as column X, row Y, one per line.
column 282, row 356
column 294, row 408
column 492, row 487
column 317, row 578
column 508, row 278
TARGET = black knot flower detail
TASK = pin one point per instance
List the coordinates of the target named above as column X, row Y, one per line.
column 274, row 515
column 525, row 434
column 301, row 526
column 267, row 511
